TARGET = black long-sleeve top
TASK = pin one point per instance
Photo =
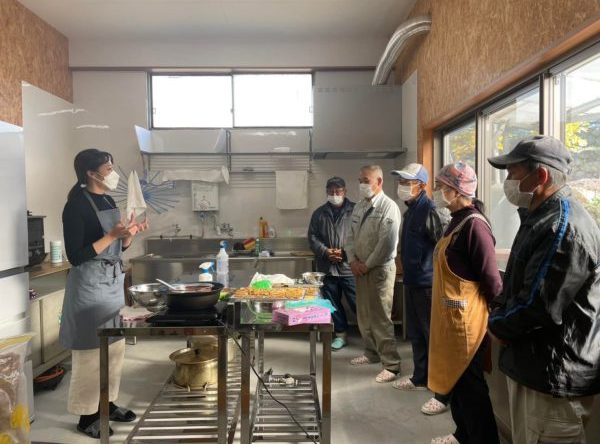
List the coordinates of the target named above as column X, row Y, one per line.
column 81, row 227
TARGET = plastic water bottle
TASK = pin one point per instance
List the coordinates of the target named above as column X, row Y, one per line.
column 223, row 265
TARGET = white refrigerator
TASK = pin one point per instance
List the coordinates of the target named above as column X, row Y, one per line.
column 14, row 280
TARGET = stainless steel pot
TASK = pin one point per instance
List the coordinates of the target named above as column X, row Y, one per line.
column 195, row 368
column 202, row 342
column 194, row 296
column 151, row 296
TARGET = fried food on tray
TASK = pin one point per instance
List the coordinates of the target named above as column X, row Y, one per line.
column 272, row 293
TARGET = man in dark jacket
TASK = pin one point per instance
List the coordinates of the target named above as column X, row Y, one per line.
column 548, row 316
column 328, row 228
column 422, row 226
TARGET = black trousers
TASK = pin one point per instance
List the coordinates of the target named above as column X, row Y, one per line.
column 471, row 406
column 417, row 301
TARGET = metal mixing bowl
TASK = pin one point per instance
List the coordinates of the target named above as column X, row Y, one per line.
column 313, row 278
column 151, row 296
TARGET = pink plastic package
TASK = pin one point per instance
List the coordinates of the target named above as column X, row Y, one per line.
column 304, row 315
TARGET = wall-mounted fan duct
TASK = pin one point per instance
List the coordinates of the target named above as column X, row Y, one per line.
column 397, row 42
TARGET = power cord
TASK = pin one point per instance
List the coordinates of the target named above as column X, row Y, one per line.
column 289, row 412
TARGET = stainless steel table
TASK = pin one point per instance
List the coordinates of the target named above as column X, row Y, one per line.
column 224, row 423
column 269, row 421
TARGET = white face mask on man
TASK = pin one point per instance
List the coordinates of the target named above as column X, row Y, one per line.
column 335, row 200
column 365, row 191
column 404, row 192
column 110, row 181
column 513, row 193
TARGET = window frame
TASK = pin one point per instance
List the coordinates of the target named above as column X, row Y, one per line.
column 231, row 75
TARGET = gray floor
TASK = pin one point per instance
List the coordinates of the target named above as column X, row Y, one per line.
column 363, row 411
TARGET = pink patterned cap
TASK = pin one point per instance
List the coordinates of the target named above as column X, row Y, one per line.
column 459, row 176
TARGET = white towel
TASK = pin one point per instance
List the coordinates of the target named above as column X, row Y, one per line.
column 136, row 204
column 291, row 190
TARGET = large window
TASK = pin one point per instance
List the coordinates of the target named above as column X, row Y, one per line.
column 570, row 112
column 576, row 121
column 227, row 101
column 272, row 100
column 459, row 144
column 505, row 124
column 191, row 101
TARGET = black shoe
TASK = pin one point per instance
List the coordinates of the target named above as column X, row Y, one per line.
column 93, row 430
column 121, row 414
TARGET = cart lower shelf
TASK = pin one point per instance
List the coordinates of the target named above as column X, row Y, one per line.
column 271, row 422
column 179, row 415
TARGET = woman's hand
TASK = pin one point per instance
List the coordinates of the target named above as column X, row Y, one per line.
column 135, row 227
column 119, row 231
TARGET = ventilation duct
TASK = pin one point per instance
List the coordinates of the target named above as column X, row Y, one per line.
column 397, row 42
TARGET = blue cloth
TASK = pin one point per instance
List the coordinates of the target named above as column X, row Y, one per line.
column 334, row 287
column 422, row 227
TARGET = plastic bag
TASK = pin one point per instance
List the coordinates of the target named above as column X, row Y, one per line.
column 273, row 278
column 14, row 412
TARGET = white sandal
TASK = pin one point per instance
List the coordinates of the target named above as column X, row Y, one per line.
column 434, row 407
column 385, row 376
column 361, row 360
column 406, row 384
column 448, row 439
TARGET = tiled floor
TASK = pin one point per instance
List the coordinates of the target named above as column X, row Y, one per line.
column 363, row 411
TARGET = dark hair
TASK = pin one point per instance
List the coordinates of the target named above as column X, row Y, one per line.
column 87, row 160
column 335, row 182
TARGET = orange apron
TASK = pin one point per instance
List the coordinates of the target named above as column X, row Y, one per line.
column 459, row 316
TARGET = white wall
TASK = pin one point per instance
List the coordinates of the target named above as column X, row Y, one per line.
column 234, row 53
column 47, row 130
column 409, row 117
column 118, row 101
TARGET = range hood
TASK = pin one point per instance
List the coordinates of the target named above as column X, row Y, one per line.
column 349, row 155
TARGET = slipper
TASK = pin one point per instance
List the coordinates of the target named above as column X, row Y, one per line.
column 406, row 384
column 434, row 407
column 93, row 430
column 121, row 414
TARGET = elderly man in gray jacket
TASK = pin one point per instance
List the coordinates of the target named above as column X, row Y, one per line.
column 371, row 248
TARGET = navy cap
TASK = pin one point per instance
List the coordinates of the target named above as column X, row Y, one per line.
column 413, row 171
column 335, row 182
column 543, row 149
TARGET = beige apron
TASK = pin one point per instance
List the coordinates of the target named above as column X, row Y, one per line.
column 459, row 317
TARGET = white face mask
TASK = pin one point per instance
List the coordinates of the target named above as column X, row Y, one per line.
column 110, row 181
column 365, row 190
column 440, row 200
column 513, row 193
column 404, row 192
column 335, row 200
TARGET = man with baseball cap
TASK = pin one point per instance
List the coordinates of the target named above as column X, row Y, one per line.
column 422, row 227
column 548, row 317
column 329, row 226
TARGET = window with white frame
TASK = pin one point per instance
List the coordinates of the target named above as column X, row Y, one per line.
column 230, row 101
column 504, row 125
column 576, row 121
column 460, row 144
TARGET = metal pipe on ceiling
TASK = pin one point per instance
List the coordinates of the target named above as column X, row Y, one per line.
column 397, row 42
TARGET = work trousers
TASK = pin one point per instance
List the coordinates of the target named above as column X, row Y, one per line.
column 540, row 418
column 374, row 298
column 84, row 390
column 334, row 287
column 471, row 406
column 417, row 302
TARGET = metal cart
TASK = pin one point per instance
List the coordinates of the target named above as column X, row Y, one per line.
column 179, row 415
column 270, row 421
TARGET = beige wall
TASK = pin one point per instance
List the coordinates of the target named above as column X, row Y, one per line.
column 32, row 51
column 475, row 44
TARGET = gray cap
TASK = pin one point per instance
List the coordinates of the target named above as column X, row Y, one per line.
column 543, row 149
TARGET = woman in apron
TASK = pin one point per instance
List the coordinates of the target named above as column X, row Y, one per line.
column 95, row 238
column 465, row 280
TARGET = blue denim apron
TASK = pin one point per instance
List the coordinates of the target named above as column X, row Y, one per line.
column 94, row 291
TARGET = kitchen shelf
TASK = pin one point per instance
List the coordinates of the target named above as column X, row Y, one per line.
column 350, row 155
column 181, row 415
column 271, row 422
column 47, row 268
